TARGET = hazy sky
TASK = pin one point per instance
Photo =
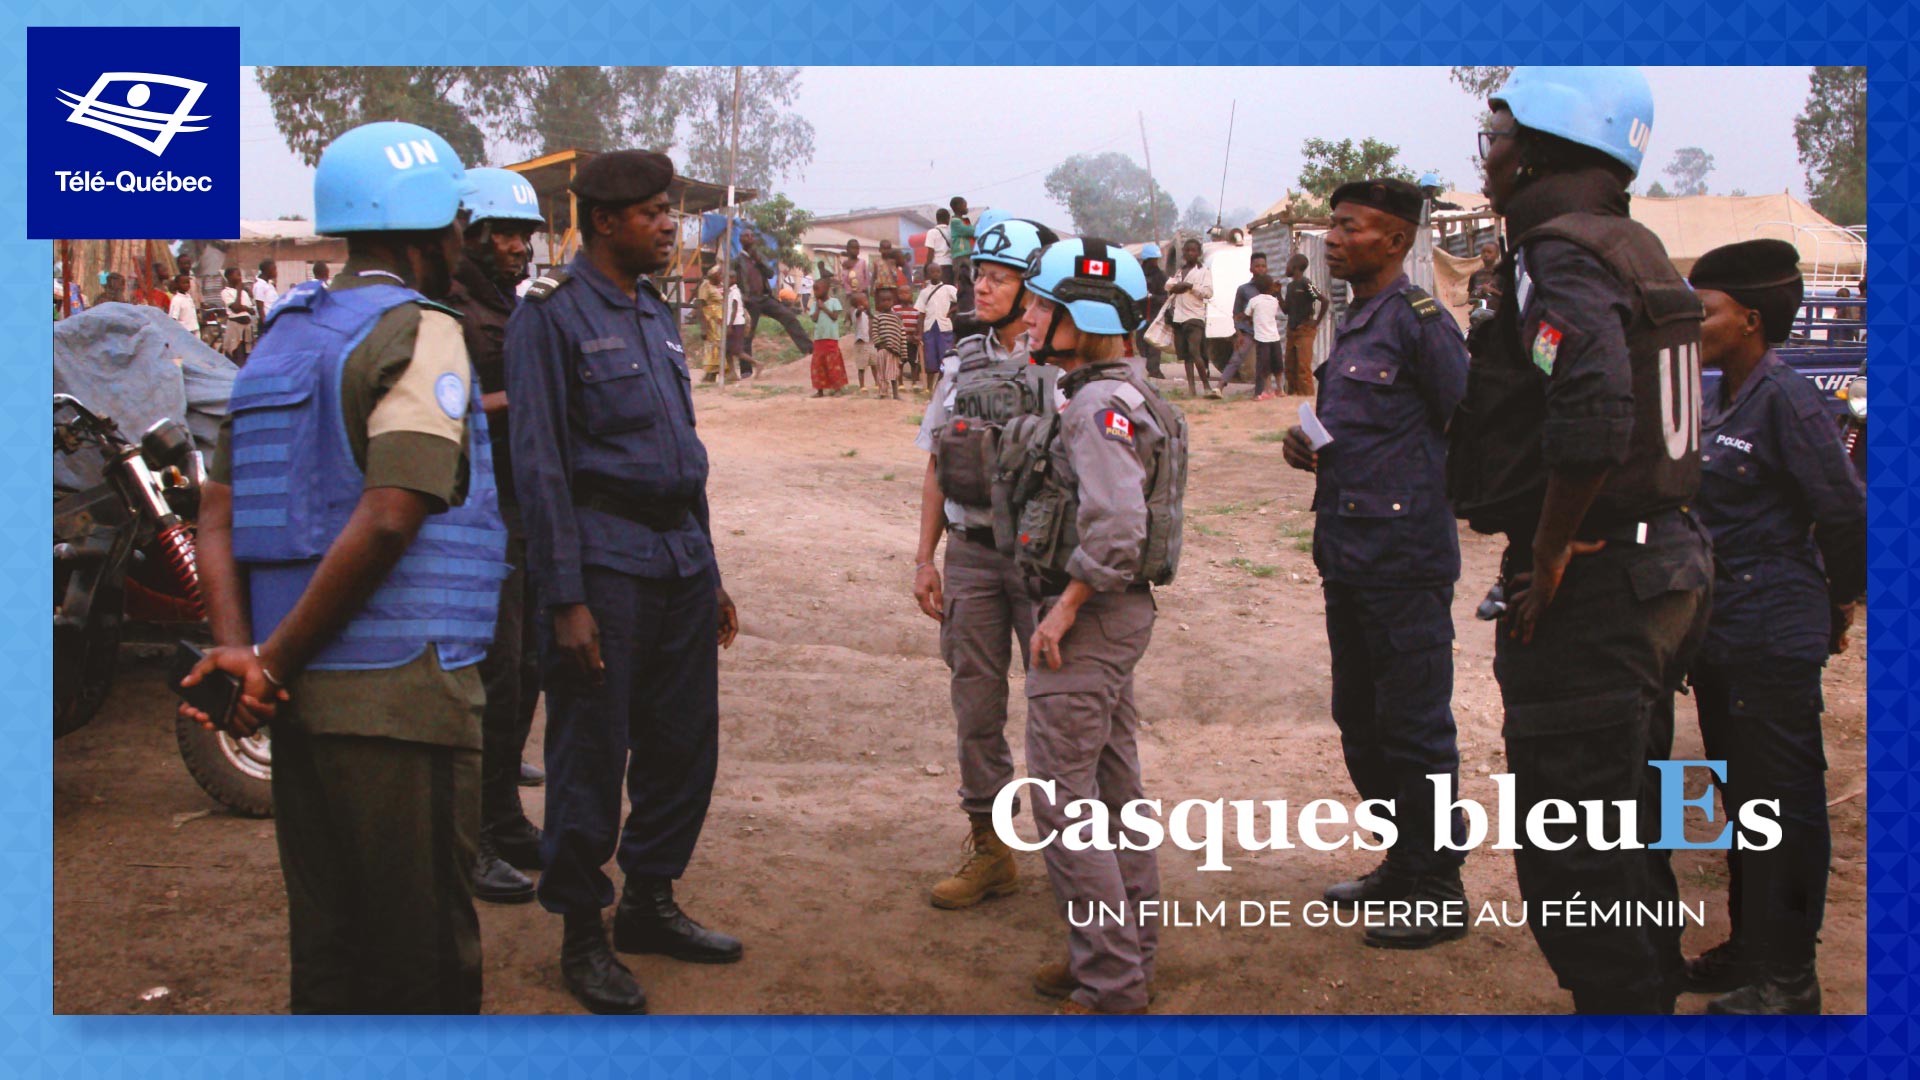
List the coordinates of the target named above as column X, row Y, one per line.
column 992, row 134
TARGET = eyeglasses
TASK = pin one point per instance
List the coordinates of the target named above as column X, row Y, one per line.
column 1487, row 139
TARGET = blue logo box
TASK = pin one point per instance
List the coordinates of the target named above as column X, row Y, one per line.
column 133, row 132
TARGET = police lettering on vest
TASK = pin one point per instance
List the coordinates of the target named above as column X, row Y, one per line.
column 1496, row 468
column 295, row 485
column 987, row 394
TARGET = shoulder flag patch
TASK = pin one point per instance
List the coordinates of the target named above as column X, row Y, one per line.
column 1115, row 425
column 1546, row 346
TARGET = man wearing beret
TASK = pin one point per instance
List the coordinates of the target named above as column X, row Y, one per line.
column 1789, row 522
column 1387, row 548
column 612, row 480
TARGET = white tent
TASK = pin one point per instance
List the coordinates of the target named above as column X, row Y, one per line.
column 1693, row 225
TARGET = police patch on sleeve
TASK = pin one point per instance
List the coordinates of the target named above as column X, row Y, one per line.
column 451, row 392
column 1117, row 427
column 1546, row 346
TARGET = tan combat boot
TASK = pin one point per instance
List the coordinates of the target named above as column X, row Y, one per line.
column 988, row 871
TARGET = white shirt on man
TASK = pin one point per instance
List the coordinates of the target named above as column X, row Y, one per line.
column 937, row 305
column 940, row 245
column 229, row 296
column 1264, row 310
column 181, row 307
column 1191, row 305
column 264, row 294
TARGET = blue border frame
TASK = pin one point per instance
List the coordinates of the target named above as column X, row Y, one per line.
column 1879, row 33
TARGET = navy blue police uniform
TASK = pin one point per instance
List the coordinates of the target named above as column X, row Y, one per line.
column 1591, row 362
column 1788, row 517
column 612, row 477
column 1389, row 553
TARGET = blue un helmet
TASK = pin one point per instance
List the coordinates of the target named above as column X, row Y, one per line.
column 387, row 177
column 501, row 195
column 1011, row 241
column 1149, row 250
column 1607, row 108
column 1099, row 284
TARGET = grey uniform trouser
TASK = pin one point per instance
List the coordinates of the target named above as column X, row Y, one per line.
column 1080, row 734
column 988, row 608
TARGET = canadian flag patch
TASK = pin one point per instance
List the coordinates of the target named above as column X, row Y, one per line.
column 1116, row 427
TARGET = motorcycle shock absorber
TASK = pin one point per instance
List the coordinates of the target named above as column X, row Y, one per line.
column 177, row 543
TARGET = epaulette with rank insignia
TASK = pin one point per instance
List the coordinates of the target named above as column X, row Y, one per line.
column 1422, row 303
column 544, row 285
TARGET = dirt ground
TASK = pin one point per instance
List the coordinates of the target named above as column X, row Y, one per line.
column 835, row 807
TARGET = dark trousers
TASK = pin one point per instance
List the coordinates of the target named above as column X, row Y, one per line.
column 1763, row 720
column 1589, row 701
column 768, row 306
column 1190, row 346
column 653, row 726
column 377, row 840
column 511, row 673
column 1270, row 359
column 1392, row 693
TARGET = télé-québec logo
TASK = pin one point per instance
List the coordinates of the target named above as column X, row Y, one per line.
column 96, row 110
column 133, row 132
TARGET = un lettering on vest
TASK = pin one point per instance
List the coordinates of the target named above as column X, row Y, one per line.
column 1680, row 398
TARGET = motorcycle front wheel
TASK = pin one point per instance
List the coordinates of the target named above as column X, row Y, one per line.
column 238, row 773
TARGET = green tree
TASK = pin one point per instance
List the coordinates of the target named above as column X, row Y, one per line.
column 544, row 109
column 1327, row 164
column 774, row 142
column 1107, row 195
column 1199, row 215
column 1657, row 191
column 1481, row 82
column 785, row 222
column 1688, row 170
column 1831, row 132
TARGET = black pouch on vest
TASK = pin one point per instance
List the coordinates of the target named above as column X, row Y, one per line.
column 966, row 455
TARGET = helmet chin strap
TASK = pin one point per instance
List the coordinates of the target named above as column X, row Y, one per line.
column 1015, row 310
column 1046, row 351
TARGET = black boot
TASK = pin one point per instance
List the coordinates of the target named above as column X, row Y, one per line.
column 1383, row 882
column 1785, row 990
column 1724, row 967
column 592, row 973
column 494, row 881
column 648, row 921
column 1438, row 887
column 518, row 842
column 1613, row 1002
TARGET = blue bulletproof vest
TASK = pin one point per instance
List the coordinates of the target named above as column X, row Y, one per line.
column 295, row 484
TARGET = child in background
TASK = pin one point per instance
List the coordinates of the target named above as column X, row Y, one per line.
column 909, row 312
column 889, row 345
column 1269, row 344
column 859, row 339
column 829, row 368
column 737, row 347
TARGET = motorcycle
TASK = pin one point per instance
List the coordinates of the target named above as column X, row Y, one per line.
column 1853, row 427
column 124, row 574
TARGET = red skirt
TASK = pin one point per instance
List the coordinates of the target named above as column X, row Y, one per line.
column 829, row 370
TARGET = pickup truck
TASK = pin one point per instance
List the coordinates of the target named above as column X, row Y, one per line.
column 1828, row 345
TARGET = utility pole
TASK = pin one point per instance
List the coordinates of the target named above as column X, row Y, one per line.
column 1153, row 206
column 1221, row 208
column 725, row 250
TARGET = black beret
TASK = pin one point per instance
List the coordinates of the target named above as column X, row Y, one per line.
column 1750, row 264
column 1760, row 274
column 1396, row 197
column 623, row 176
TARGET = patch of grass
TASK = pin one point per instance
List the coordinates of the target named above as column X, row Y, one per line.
column 849, row 453
column 1271, row 436
column 1259, row 570
column 1236, row 507
column 915, row 419
column 776, row 391
column 1204, row 529
column 886, row 476
column 1303, row 543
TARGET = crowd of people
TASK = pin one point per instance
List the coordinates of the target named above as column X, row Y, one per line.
column 416, row 524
